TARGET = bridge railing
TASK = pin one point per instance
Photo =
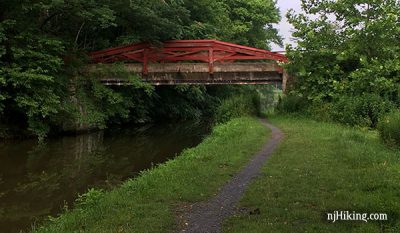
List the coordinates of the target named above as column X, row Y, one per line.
column 212, row 62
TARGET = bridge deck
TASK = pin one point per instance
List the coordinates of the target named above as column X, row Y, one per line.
column 198, row 73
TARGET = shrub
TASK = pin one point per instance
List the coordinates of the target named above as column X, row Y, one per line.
column 364, row 110
column 321, row 111
column 292, row 104
column 389, row 128
column 237, row 106
column 90, row 198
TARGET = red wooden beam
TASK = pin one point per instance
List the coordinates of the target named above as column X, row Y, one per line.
column 209, row 51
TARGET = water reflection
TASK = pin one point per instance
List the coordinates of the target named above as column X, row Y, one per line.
column 37, row 181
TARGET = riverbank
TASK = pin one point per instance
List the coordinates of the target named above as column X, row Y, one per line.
column 150, row 202
column 38, row 180
column 320, row 168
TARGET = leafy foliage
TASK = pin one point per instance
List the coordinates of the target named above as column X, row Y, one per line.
column 238, row 106
column 291, row 104
column 29, row 85
column 183, row 102
column 251, row 22
column 98, row 105
column 347, row 58
column 363, row 110
column 350, row 48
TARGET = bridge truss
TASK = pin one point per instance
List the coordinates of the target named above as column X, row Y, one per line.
column 206, row 51
column 206, row 62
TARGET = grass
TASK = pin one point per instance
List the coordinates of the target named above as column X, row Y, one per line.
column 319, row 168
column 149, row 202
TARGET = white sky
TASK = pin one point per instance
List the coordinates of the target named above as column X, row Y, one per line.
column 284, row 27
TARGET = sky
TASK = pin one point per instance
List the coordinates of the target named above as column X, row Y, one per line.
column 284, row 27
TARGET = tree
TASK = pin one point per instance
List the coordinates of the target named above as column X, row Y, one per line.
column 208, row 19
column 43, row 44
column 348, row 47
column 252, row 22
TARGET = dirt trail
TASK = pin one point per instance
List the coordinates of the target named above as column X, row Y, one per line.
column 207, row 217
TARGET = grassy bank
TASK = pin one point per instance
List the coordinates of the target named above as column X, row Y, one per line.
column 319, row 168
column 149, row 202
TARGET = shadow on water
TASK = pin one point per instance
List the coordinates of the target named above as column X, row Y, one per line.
column 37, row 181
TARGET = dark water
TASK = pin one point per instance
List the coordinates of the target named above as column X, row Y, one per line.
column 37, row 181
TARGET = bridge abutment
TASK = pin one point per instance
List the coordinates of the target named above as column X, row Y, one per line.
column 75, row 122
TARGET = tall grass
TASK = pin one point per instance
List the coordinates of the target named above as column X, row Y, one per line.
column 389, row 128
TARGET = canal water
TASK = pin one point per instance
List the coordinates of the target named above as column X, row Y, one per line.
column 38, row 181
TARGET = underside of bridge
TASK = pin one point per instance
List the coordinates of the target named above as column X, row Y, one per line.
column 208, row 62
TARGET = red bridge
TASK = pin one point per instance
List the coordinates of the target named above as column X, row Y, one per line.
column 208, row 62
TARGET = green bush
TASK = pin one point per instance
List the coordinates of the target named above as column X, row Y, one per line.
column 364, row 110
column 292, row 104
column 389, row 128
column 89, row 199
column 321, row 111
column 237, row 106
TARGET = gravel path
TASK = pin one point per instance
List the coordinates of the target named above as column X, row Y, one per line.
column 207, row 217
